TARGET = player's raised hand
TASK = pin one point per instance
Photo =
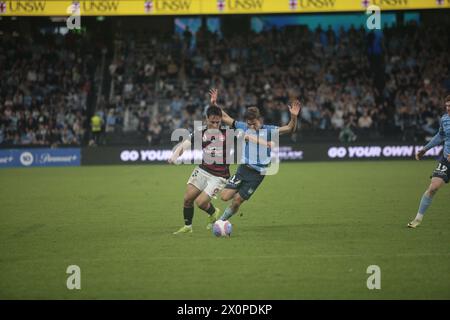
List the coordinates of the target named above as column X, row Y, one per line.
column 295, row 108
column 213, row 94
column 420, row 154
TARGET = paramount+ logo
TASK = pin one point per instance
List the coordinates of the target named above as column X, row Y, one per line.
column 27, row 6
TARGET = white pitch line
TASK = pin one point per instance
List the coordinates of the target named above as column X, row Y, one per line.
column 5, row 261
column 306, row 256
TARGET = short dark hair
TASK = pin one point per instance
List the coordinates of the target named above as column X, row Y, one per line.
column 251, row 113
column 447, row 99
column 213, row 111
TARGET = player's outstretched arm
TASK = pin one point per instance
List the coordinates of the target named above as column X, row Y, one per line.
column 225, row 117
column 186, row 144
column 255, row 139
column 436, row 140
column 294, row 109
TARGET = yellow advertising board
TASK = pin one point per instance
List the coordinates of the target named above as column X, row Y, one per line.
column 200, row 7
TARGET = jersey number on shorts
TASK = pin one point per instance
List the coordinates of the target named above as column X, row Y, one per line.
column 234, row 180
column 441, row 167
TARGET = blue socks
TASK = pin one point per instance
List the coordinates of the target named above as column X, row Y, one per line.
column 227, row 214
column 424, row 204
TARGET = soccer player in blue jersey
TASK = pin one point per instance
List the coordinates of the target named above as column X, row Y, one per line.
column 441, row 174
column 249, row 175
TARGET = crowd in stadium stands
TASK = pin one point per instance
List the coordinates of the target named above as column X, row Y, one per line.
column 43, row 91
column 162, row 83
column 417, row 68
column 332, row 72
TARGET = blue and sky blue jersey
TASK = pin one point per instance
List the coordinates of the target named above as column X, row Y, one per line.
column 251, row 153
column 443, row 135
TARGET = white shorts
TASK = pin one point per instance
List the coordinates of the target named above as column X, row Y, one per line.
column 207, row 182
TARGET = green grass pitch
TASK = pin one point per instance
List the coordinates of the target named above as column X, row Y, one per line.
column 309, row 232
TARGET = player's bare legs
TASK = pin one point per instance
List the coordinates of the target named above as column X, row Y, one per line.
column 435, row 185
column 228, row 194
column 203, row 201
column 190, row 195
column 236, row 203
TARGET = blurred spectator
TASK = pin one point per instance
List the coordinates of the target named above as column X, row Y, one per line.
column 365, row 121
column 346, row 134
column 110, row 121
column 96, row 128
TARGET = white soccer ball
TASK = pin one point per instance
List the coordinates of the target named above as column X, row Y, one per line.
column 222, row 228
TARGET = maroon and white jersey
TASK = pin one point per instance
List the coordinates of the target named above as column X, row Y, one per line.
column 214, row 149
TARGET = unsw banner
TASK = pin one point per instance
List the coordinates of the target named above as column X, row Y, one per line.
column 201, row 7
column 40, row 157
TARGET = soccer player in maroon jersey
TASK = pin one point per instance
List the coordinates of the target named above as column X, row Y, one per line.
column 209, row 177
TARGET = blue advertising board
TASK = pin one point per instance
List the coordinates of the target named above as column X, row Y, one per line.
column 40, row 157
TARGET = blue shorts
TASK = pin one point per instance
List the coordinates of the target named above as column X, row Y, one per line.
column 246, row 180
